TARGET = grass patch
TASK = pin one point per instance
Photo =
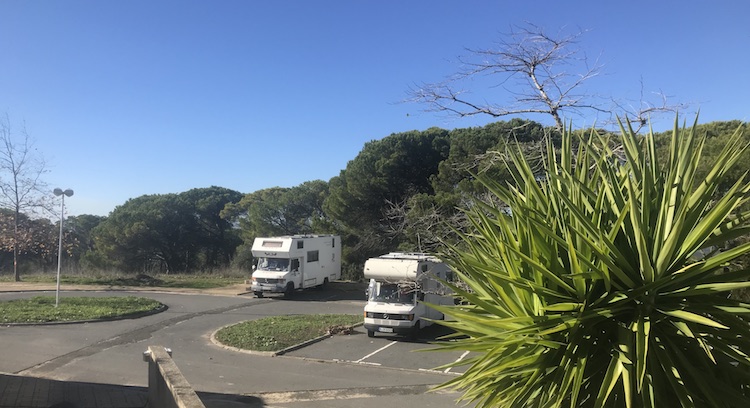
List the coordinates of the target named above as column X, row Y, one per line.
column 201, row 281
column 278, row 332
column 41, row 309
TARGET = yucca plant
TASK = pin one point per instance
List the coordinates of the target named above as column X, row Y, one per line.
column 605, row 280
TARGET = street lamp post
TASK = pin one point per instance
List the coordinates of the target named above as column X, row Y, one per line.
column 60, row 193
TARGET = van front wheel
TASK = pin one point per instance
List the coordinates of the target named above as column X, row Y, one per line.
column 370, row 333
column 414, row 333
column 289, row 289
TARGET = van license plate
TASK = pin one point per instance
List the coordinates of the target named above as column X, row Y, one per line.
column 385, row 329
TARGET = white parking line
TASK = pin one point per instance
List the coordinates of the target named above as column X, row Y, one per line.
column 376, row 352
column 447, row 370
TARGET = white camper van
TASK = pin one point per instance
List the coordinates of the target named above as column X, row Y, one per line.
column 399, row 284
column 295, row 262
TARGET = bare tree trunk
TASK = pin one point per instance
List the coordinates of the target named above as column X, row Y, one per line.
column 21, row 186
column 16, row 275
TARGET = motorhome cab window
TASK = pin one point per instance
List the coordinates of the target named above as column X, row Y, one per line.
column 391, row 293
column 273, row 264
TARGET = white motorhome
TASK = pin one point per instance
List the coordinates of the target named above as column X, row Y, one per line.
column 288, row 263
column 400, row 283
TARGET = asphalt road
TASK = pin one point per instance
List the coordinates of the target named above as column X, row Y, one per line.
column 341, row 371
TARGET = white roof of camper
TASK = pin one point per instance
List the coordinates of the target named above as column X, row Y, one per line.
column 278, row 245
column 396, row 266
column 416, row 256
column 271, row 244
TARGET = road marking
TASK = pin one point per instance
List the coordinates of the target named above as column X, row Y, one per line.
column 447, row 370
column 429, row 370
column 346, row 393
column 336, row 360
column 376, row 352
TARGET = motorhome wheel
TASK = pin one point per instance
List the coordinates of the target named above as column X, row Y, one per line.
column 414, row 331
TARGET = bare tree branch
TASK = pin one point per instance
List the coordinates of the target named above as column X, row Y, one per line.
column 640, row 113
column 534, row 73
column 536, row 62
column 21, row 187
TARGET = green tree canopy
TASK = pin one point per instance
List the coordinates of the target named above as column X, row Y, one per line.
column 427, row 219
column 277, row 211
column 477, row 150
column 78, row 235
column 280, row 211
column 168, row 232
column 384, row 174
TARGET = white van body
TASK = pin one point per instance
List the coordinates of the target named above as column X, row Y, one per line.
column 400, row 285
column 288, row 263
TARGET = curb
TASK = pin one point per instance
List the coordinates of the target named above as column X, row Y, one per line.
column 308, row 342
column 217, row 343
column 281, row 352
column 137, row 315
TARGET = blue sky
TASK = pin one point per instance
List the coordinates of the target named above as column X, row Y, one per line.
column 126, row 98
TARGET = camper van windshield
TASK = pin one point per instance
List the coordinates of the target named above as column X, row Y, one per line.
column 273, row 264
column 391, row 293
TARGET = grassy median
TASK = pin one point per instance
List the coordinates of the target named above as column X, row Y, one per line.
column 41, row 309
column 279, row 332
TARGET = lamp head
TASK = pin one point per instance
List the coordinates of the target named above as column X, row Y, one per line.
column 59, row 192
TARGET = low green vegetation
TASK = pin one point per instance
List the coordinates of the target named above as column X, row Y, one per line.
column 41, row 309
column 279, row 332
column 206, row 281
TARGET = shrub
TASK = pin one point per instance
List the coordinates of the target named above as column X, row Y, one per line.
column 352, row 271
column 601, row 284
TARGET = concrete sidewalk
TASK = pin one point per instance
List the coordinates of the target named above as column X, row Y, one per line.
column 30, row 392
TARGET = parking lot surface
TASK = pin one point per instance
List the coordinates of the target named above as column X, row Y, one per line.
column 343, row 370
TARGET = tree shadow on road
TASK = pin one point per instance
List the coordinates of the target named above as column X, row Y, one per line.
column 338, row 290
column 215, row 400
column 434, row 333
